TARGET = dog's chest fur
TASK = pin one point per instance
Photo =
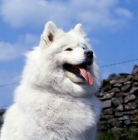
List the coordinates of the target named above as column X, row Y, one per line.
column 58, row 117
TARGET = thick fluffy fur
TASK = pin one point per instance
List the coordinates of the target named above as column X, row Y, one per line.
column 50, row 102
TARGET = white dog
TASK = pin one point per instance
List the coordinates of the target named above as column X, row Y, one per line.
column 56, row 97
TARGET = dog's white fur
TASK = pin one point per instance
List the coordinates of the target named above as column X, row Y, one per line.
column 51, row 103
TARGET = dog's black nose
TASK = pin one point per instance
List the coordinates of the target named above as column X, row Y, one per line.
column 89, row 57
column 89, row 54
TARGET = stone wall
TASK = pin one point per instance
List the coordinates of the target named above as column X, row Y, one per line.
column 119, row 96
column 2, row 111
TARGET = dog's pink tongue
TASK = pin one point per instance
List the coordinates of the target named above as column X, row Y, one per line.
column 87, row 76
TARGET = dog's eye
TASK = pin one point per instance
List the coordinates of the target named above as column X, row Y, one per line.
column 68, row 49
column 83, row 48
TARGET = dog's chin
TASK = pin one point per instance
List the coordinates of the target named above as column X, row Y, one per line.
column 74, row 78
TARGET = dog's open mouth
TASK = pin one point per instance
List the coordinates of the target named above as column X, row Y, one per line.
column 80, row 70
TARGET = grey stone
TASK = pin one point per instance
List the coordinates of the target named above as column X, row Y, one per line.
column 135, row 70
column 129, row 77
column 135, row 77
column 115, row 123
column 112, row 82
column 107, row 87
column 106, row 104
column 127, row 122
column 130, row 106
column 134, row 90
column 119, row 108
column 115, row 90
column 100, row 94
column 118, row 123
column 103, row 127
column 135, row 84
column 126, row 87
column 119, row 114
column 107, row 96
column 103, row 122
column 107, row 117
column 132, row 112
column 120, row 94
column 108, row 111
column 117, row 101
column 128, row 82
column 134, row 123
column 112, row 120
column 117, row 85
column 121, row 79
column 126, row 117
column 134, row 117
column 123, row 118
column 129, row 98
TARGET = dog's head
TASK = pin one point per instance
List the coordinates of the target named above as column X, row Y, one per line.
column 64, row 61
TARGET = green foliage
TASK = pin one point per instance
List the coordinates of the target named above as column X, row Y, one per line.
column 118, row 135
column 113, row 75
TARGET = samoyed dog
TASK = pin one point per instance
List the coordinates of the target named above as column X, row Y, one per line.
column 56, row 96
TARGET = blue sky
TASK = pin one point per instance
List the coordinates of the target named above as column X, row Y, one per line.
column 111, row 26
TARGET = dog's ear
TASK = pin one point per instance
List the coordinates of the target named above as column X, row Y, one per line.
column 79, row 29
column 49, row 32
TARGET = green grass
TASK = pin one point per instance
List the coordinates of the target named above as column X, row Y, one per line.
column 118, row 135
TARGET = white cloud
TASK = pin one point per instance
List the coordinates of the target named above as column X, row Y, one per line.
column 31, row 39
column 123, row 12
column 28, row 40
column 10, row 51
column 94, row 14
